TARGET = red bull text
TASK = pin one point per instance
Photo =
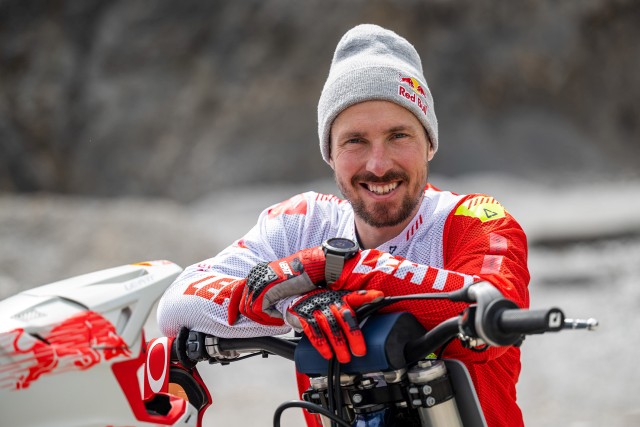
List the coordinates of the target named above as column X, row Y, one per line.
column 416, row 89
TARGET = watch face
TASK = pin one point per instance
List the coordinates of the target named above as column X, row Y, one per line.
column 342, row 243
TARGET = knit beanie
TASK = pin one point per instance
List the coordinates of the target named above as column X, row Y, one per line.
column 373, row 63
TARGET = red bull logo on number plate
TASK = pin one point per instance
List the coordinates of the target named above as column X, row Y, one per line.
column 415, row 93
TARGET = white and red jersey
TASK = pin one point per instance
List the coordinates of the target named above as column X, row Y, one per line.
column 452, row 240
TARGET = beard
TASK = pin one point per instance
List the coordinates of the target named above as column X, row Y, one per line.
column 383, row 213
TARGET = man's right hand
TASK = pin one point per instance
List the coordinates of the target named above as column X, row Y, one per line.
column 268, row 283
column 329, row 321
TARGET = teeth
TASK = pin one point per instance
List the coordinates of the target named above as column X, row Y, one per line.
column 382, row 189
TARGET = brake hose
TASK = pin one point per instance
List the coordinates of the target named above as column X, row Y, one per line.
column 311, row 407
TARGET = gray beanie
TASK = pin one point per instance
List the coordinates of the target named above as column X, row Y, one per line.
column 372, row 63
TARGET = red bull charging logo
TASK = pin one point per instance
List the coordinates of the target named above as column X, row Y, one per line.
column 78, row 343
column 412, row 95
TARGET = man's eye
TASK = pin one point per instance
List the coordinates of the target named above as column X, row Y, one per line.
column 354, row 140
column 399, row 135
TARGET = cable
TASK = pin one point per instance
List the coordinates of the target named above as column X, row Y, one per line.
column 337, row 394
column 311, row 407
column 330, row 389
column 444, row 346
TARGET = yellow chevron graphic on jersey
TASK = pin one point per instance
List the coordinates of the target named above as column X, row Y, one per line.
column 482, row 207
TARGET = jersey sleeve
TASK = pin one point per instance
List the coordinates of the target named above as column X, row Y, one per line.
column 199, row 298
column 483, row 239
column 478, row 245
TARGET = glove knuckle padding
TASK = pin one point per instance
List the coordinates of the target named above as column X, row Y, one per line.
column 332, row 323
column 349, row 319
column 345, row 318
column 318, row 301
column 297, row 266
column 259, row 277
column 305, row 308
column 315, row 327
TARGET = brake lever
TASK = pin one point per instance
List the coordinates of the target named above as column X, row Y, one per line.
column 369, row 308
column 460, row 295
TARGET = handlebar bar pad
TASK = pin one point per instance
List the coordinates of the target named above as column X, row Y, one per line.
column 385, row 335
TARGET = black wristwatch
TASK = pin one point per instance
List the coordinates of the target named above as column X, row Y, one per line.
column 336, row 251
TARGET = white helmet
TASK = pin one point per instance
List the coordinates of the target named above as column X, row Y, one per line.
column 73, row 353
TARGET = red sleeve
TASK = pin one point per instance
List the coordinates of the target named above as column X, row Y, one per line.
column 481, row 241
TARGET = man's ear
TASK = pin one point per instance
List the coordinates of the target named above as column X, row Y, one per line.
column 431, row 152
column 331, row 163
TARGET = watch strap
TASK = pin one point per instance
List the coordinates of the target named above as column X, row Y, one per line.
column 333, row 267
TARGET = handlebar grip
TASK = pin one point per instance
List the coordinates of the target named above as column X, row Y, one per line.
column 531, row 321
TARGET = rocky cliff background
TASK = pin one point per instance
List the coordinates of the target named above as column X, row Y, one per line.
column 134, row 130
column 176, row 99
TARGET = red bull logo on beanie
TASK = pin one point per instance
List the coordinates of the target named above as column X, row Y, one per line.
column 415, row 94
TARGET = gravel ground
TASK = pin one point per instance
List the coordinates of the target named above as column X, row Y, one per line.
column 584, row 258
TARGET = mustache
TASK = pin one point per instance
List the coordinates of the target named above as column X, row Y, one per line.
column 387, row 177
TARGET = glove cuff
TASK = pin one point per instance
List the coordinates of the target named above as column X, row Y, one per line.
column 313, row 260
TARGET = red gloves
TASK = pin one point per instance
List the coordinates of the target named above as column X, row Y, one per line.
column 328, row 320
column 268, row 283
column 325, row 316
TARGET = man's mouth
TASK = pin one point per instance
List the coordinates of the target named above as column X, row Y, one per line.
column 381, row 189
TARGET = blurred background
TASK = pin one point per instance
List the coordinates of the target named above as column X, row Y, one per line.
column 134, row 130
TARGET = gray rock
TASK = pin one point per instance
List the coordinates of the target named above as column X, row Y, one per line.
column 178, row 99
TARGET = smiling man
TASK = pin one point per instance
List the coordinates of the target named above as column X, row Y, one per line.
column 380, row 153
column 310, row 260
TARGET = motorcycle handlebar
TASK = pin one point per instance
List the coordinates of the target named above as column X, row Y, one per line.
column 278, row 346
column 494, row 319
column 511, row 323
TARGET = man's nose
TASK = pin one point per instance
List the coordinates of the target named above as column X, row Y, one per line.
column 378, row 162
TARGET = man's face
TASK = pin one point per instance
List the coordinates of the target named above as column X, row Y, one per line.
column 379, row 153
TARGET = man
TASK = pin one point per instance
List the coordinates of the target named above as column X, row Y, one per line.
column 378, row 131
